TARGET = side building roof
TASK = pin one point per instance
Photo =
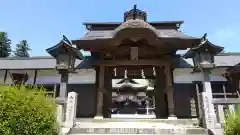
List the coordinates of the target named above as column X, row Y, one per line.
column 47, row 62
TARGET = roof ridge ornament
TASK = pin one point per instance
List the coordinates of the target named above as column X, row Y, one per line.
column 65, row 39
column 135, row 14
column 204, row 38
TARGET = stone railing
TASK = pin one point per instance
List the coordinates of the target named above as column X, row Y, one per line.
column 222, row 106
column 49, row 93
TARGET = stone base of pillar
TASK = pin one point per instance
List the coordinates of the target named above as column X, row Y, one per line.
column 172, row 117
column 98, row 117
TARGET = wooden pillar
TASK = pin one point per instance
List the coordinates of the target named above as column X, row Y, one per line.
column 100, row 88
column 159, row 93
column 63, row 86
column 170, row 91
column 107, row 94
column 5, row 76
column 35, row 76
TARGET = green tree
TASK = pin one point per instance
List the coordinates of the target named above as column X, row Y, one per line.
column 27, row 111
column 22, row 49
column 5, row 45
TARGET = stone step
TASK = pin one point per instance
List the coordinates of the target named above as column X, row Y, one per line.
column 194, row 122
column 135, row 134
column 133, row 131
column 131, row 125
column 138, row 126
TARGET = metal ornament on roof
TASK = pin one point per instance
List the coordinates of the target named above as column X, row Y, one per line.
column 125, row 74
column 115, row 71
column 66, row 40
column 142, row 74
column 135, row 18
column 134, row 14
column 154, row 71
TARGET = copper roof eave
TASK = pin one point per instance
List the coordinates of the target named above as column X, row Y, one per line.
column 83, row 44
column 191, row 52
column 118, row 23
column 185, row 43
column 76, row 52
column 218, row 48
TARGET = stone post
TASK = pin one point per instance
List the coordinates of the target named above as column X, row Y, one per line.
column 231, row 108
column 221, row 116
column 62, row 99
column 206, row 98
column 71, row 110
column 63, row 85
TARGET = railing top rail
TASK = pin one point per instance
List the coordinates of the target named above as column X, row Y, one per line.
column 216, row 94
column 226, row 100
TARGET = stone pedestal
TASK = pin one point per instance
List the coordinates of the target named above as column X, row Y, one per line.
column 60, row 114
column 61, row 105
column 71, row 110
column 207, row 105
column 209, row 119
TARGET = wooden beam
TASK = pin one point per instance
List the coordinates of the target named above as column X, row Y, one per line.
column 134, row 53
column 131, row 62
column 134, row 77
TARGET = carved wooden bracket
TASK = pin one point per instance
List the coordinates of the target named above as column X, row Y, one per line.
column 19, row 78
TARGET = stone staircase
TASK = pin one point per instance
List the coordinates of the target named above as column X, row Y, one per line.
column 138, row 126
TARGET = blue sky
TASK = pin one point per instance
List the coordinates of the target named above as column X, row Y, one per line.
column 43, row 22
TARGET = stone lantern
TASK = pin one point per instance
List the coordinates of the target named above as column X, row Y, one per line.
column 203, row 54
column 203, row 58
column 65, row 55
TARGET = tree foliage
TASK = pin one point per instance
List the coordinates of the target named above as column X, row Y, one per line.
column 22, row 49
column 5, row 45
column 26, row 111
